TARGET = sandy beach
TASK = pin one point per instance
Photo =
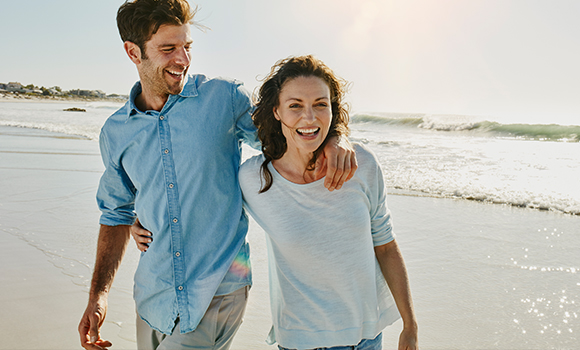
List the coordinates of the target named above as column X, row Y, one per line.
column 47, row 192
column 483, row 276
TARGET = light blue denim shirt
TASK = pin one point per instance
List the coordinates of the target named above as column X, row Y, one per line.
column 177, row 170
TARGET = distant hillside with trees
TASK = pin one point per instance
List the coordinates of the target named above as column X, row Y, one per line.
column 18, row 90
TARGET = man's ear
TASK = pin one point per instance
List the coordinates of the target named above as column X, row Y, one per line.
column 133, row 51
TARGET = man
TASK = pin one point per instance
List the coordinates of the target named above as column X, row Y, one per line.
column 171, row 157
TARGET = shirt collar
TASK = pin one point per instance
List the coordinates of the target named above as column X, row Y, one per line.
column 190, row 87
column 189, row 90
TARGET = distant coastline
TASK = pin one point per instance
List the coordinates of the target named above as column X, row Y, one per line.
column 16, row 92
column 10, row 97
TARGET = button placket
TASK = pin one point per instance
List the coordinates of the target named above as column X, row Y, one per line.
column 174, row 213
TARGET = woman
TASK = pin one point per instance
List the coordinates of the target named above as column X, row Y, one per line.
column 329, row 252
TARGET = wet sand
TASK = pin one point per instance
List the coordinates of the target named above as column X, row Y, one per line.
column 48, row 230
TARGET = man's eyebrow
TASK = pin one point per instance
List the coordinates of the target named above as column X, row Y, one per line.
column 173, row 44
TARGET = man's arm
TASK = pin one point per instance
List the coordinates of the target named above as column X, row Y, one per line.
column 110, row 250
column 393, row 268
column 338, row 160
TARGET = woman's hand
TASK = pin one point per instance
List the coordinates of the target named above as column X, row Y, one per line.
column 141, row 236
column 408, row 339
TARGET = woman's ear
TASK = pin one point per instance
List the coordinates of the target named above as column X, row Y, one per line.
column 275, row 110
column 133, row 51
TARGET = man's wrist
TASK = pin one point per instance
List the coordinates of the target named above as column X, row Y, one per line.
column 98, row 295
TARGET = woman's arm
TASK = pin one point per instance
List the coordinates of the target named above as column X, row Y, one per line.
column 393, row 268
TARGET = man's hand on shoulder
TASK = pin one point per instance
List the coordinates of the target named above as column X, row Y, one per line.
column 339, row 161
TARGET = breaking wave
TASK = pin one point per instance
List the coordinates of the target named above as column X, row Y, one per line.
column 460, row 123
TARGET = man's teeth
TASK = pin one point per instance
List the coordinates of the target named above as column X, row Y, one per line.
column 175, row 73
column 308, row 131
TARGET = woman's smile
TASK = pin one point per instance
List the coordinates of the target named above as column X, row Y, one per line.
column 308, row 132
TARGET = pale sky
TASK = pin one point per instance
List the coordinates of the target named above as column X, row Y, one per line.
column 512, row 60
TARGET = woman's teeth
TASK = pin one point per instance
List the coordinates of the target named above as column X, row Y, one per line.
column 307, row 131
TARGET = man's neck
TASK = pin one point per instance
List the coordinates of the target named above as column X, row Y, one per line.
column 147, row 101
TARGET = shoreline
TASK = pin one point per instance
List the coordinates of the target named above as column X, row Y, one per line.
column 408, row 193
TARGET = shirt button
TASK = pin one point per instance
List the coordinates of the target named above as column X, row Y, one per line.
column 180, row 287
column 177, row 254
column 170, row 185
column 166, row 150
column 175, row 220
column 161, row 117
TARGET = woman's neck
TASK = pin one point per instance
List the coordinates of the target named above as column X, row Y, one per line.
column 293, row 166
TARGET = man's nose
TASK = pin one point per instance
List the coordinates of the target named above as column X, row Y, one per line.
column 183, row 57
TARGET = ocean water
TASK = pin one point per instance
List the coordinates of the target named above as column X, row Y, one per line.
column 534, row 166
column 486, row 214
column 524, row 165
column 51, row 116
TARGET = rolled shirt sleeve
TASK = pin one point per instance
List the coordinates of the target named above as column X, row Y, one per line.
column 116, row 193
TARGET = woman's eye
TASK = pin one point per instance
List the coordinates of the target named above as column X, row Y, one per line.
column 294, row 105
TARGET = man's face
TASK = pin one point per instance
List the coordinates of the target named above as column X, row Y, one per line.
column 168, row 58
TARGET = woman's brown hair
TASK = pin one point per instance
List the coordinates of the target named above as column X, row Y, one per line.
column 270, row 130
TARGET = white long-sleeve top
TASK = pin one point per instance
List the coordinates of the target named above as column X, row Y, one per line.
column 326, row 286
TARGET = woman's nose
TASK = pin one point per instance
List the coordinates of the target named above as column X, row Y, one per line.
column 309, row 114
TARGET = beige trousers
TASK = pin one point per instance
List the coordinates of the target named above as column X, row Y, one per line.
column 215, row 331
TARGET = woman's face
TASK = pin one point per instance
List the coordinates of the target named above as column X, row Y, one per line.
column 305, row 112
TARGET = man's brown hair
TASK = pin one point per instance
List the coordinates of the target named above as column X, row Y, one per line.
column 138, row 20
